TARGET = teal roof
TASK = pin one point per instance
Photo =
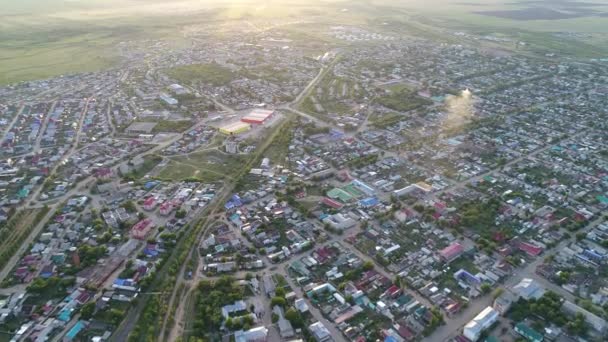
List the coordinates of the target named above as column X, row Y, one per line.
column 603, row 199
column 529, row 333
column 75, row 330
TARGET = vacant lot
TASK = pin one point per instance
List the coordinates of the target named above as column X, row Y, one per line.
column 212, row 73
column 403, row 100
column 207, row 166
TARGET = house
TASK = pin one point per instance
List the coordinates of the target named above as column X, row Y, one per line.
column 166, row 208
column 149, row 204
column 530, row 249
column 141, row 229
column 269, row 285
column 481, row 322
column 285, row 328
column 300, row 305
column 528, row 288
column 319, row 332
column 528, row 333
column 597, row 323
column 503, row 303
column 103, row 173
column 332, row 203
column 451, row 252
column 258, row 334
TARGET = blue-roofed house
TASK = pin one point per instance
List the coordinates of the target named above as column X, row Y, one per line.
column 76, row 329
column 369, row 202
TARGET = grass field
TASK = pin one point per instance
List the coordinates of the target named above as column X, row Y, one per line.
column 206, row 166
column 437, row 19
column 25, row 60
column 45, row 38
column 403, row 100
column 212, row 73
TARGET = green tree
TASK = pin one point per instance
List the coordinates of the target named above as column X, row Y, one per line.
column 294, row 317
column 87, row 310
column 280, row 301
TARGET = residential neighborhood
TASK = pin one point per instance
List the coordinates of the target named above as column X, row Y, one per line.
column 358, row 184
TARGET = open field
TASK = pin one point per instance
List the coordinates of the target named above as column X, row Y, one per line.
column 46, row 38
column 403, row 100
column 207, row 166
column 213, row 73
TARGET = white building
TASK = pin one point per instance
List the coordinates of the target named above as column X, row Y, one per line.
column 320, row 332
column 232, row 146
column 482, row 321
column 528, row 288
column 258, row 334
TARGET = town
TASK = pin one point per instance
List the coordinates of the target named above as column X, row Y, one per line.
column 361, row 184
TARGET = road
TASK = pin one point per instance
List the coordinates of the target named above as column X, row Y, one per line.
column 34, row 196
column 45, row 123
column 454, row 324
column 26, row 244
column 453, row 327
column 10, row 126
column 76, row 189
column 176, row 330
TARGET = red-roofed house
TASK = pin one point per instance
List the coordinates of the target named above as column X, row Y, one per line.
column 166, row 208
column 406, row 333
column 451, row 252
column 530, row 249
column 141, row 229
column 393, row 291
column 149, row 204
column 103, row 173
column 331, row 203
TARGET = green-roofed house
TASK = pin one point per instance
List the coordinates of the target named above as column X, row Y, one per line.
column 23, row 193
column 528, row 333
column 339, row 194
column 352, row 190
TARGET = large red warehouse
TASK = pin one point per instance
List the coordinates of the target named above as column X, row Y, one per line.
column 258, row 116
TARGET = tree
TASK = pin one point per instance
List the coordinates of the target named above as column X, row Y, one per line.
column 129, row 206
column 181, row 213
column 563, row 278
column 280, row 292
column 368, row 266
column 485, row 288
column 578, row 325
column 294, row 318
column 87, row 310
column 229, row 323
column 581, row 236
column 498, row 292
column 280, row 301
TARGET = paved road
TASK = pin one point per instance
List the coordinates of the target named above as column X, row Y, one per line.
column 76, row 189
column 26, row 243
column 43, row 127
column 9, row 127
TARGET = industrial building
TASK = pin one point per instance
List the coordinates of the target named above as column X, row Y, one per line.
column 481, row 322
column 168, row 99
column 258, row 116
column 141, row 128
column 235, row 128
